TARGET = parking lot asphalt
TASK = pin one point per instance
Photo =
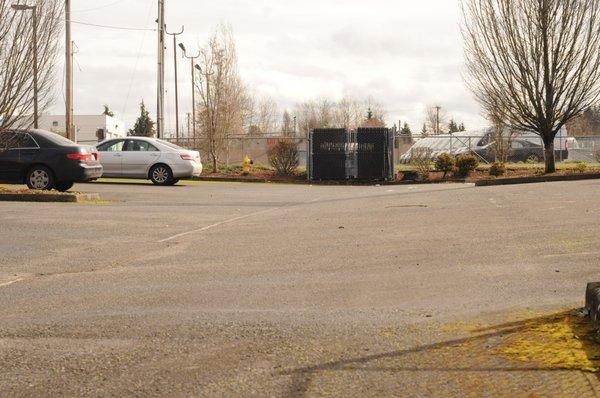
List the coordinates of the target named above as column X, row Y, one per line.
column 231, row 289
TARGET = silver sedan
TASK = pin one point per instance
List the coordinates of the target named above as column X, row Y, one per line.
column 159, row 161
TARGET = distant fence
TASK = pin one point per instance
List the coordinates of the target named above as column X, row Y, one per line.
column 523, row 145
column 585, row 149
column 236, row 148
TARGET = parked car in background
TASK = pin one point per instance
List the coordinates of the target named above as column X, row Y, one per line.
column 525, row 146
column 45, row 160
column 159, row 161
column 521, row 150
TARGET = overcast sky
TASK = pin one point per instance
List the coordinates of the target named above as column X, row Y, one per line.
column 406, row 54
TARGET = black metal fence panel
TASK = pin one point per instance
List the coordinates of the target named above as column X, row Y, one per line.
column 373, row 154
column 328, row 154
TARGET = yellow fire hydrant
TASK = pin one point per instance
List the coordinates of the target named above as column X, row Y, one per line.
column 247, row 167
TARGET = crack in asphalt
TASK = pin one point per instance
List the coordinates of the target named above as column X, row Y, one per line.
column 11, row 282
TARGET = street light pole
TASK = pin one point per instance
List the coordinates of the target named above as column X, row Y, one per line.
column 176, row 85
column 160, row 106
column 437, row 119
column 192, row 59
column 69, row 73
column 22, row 7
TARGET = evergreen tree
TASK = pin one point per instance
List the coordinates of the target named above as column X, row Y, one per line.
column 462, row 127
column 452, row 127
column 108, row 112
column 424, row 130
column 144, row 126
column 405, row 129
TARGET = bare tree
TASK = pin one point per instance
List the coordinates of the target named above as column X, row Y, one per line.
column 16, row 58
column 224, row 101
column 538, row 59
column 266, row 115
column 435, row 119
column 347, row 113
column 287, row 125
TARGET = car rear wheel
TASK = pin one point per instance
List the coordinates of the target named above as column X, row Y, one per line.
column 63, row 186
column 40, row 178
column 533, row 158
column 161, row 175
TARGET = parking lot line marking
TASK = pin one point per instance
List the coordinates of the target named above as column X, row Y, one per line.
column 10, row 282
column 217, row 225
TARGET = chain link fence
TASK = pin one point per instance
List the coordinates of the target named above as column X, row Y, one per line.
column 525, row 148
column 236, row 148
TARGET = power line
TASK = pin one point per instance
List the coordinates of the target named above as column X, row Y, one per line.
column 113, row 27
column 137, row 60
column 100, row 7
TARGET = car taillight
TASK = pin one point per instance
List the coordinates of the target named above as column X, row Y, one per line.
column 187, row 157
column 82, row 157
column 96, row 155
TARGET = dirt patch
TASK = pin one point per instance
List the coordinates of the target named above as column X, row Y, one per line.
column 516, row 171
column 258, row 174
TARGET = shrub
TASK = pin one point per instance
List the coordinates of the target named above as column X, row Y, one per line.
column 581, row 167
column 498, row 169
column 465, row 164
column 284, row 157
column 597, row 155
column 421, row 162
column 445, row 163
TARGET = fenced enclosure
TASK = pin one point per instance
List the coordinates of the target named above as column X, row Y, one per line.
column 338, row 154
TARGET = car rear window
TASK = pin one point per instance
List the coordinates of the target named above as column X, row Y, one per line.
column 55, row 138
column 167, row 143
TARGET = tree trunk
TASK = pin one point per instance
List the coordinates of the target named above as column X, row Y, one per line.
column 214, row 164
column 549, row 155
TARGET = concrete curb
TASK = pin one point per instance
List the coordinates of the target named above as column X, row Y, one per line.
column 306, row 182
column 537, row 179
column 48, row 198
column 248, row 180
column 592, row 301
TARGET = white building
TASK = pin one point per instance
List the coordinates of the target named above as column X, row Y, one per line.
column 90, row 129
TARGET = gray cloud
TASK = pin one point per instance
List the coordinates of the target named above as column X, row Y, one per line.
column 407, row 54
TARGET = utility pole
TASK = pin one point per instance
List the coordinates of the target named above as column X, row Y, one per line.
column 188, row 124
column 69, row 74
column 295, row 126
column 192, row 60
column 160, row 103
column 34, row 45
column 437, row 119
column 176, row 86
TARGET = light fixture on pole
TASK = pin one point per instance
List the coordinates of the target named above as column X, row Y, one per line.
column 192, row 59
column 33, row 9
column 176, row 85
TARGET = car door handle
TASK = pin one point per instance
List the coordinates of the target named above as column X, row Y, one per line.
column 118, row 155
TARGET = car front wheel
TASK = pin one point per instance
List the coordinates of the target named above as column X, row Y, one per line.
column 40, row 178
column 63, row 186
column 161, row 175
